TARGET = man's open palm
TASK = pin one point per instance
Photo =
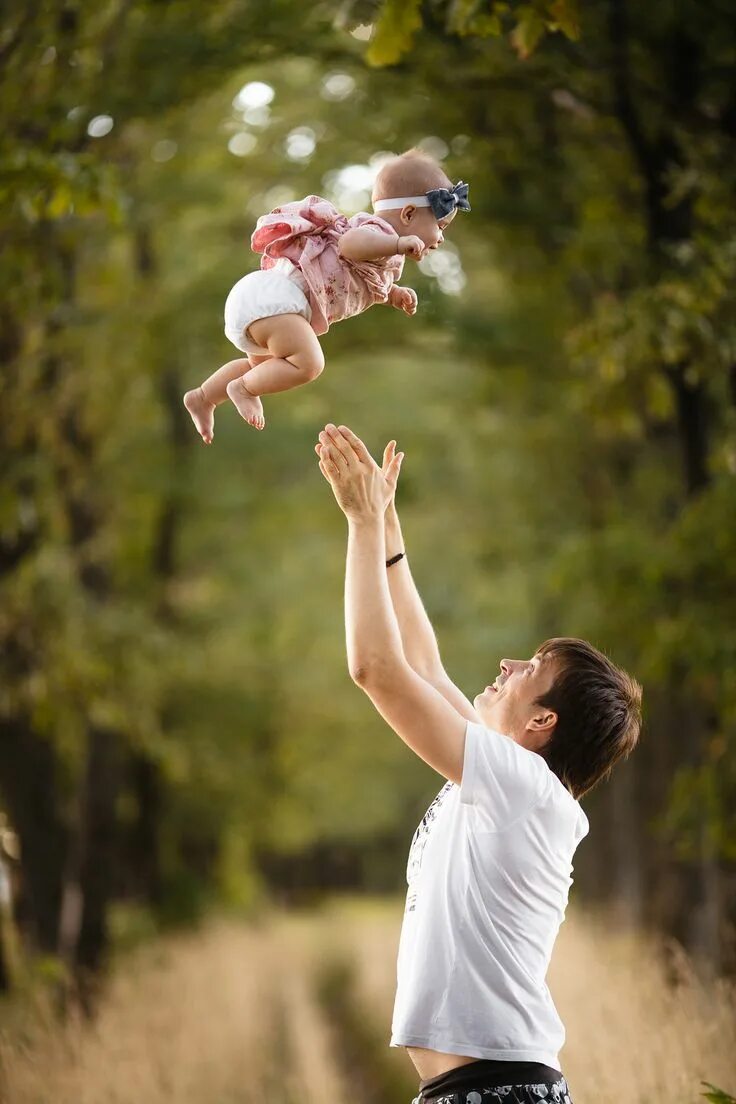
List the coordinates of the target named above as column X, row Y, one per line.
column 359, row 485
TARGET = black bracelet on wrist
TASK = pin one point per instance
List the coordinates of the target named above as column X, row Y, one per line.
column 395, row 559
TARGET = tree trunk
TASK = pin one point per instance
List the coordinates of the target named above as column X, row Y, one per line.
column 625, row 828
column 91, row 877
column 29, row 783
column 100, row 845
column 689, row 892
column 6, row 916
column 144, row 853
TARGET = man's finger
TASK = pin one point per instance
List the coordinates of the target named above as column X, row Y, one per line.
column 330, row 461
column 388, row 453
column 357, row 445
column 338, row 441
column 328, row 454
column 335, row 453
column 392, row 474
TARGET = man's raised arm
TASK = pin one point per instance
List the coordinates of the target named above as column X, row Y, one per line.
column 417, row 635
column 418, row 640
column 424, row 718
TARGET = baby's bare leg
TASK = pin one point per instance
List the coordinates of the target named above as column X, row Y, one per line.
column 296, row 358
column 201, row 402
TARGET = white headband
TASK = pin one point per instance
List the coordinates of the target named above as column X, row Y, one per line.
column 402, row 201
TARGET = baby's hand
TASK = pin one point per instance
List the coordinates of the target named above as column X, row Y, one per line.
column 411, row 246
column 404, row 298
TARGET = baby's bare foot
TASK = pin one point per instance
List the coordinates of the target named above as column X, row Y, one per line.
column 249, row 406
column 202, row 412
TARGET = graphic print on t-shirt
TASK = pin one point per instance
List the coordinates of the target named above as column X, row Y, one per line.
column 418, row 844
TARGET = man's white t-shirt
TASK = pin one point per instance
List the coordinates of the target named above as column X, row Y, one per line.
column 489, row 873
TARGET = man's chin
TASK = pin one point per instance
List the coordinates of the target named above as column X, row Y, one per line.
column 484, row 709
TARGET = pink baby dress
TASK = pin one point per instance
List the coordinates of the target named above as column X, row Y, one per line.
column 307, row 234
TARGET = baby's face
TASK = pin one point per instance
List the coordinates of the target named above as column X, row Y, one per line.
column 422, row 222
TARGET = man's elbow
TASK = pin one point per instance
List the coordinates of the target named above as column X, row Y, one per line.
column 362, row 674
column 367, row 673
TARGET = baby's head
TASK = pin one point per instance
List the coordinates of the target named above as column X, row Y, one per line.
column 410, row 176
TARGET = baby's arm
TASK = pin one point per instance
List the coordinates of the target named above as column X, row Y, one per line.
column 363, row 244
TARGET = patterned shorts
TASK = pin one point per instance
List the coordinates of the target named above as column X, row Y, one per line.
column 550, row 1092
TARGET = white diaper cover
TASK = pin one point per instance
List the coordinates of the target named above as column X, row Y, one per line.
column 263, row 294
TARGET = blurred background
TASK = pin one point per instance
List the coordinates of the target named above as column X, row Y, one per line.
column 203, row 823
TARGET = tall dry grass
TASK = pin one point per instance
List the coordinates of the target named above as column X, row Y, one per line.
column 230, row 1015
column 223, row 1016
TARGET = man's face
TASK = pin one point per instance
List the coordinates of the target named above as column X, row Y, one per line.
column 508, row 704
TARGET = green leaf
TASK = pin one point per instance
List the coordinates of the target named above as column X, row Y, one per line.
column 716, row 1095
column 564, row 17
column 397, row 24
column 485, row 26
column 465, row 18
column 60, row 202
column 461, row 16
column 527, row 32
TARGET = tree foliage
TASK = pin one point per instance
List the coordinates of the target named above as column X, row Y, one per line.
column 525, row 24
column 176, row 715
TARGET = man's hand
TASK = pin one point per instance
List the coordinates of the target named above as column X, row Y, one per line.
column 411, row 246
column 361, row 488
column 403, row 298
column 388, row 456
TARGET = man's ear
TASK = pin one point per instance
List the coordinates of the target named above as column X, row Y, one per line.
column 542, row 723
column 541, row 728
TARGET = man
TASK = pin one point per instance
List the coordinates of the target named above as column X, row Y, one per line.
column 489, row 867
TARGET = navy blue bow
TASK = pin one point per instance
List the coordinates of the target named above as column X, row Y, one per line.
column 444, row 201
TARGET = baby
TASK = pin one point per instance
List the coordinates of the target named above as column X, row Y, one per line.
column 319, row 267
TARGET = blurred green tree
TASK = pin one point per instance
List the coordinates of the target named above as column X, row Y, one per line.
column 176, row 716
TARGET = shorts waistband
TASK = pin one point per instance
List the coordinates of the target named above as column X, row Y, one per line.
column 539, row 1085
column 547, row 1092
column 491, row 1073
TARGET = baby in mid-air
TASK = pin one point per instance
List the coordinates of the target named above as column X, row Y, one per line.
column 319, row 267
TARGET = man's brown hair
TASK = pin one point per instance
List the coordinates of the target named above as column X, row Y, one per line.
column 598, row 707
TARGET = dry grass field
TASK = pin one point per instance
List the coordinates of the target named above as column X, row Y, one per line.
column 235, row 1014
